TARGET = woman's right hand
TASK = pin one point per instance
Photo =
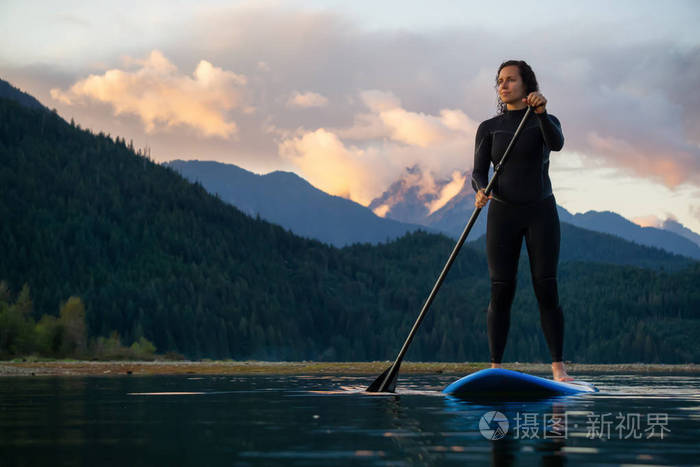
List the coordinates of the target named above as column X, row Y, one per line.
column 481, row 198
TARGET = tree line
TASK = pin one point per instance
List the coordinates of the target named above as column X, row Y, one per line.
column 62, row 336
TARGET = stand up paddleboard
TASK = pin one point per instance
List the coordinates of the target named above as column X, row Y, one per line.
column 499, row 383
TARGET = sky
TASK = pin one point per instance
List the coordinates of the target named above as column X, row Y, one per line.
column 349, row 95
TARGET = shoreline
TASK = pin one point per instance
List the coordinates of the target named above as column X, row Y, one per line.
column 152, row 368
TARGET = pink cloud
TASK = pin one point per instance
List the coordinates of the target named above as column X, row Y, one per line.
column 161, row 96
column 648, row 221
column 361, row 160
column 306, row 100
column 671, row 167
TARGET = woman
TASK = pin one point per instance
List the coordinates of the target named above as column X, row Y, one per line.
column 523, row 206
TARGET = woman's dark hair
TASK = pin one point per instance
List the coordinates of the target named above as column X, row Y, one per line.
column 527, row 75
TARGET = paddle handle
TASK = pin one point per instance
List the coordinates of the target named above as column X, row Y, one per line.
column 393, row 371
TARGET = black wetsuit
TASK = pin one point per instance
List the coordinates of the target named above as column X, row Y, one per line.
column 523, row 206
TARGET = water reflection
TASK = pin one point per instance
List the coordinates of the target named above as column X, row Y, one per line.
column 532, row 427
column 283, row 420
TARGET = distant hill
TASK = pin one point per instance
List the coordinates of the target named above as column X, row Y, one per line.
column 154, row 255
column 582, row 245
column 409, row 203
column 678, row 228
column 7, row 91
column 290, row 201
column 453, row 216
column 615, row 224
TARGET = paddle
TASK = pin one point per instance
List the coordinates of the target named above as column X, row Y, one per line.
column 386, row 382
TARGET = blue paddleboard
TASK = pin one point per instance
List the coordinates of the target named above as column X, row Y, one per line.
column 508, row 384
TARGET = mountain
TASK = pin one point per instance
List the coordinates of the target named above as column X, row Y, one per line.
column 612, row 223
column 453, row 216
column 406, row 199
column 678, row 228
column 582, row 245
column 7, row 91
column 410, row 197
column 290, row 201
column 153, row 255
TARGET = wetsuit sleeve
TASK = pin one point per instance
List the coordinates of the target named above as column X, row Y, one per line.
column 551, row 131
column 482, row 158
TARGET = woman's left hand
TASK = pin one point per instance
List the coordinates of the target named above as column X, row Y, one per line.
column 537, row 101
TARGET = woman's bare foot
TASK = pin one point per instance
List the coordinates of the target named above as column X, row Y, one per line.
column 559, row 372
column 496, row 365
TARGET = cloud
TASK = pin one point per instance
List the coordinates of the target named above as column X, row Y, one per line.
column 412, row 128
column 670, row 167
column 382, row 210
column 635, row 107
column 158, row 94
column 648, row 221
column 625, row 100
column 306, row 100
column 332, row 166
column 448, row 191
column 389, row 120
column 361, row 160
column 695, row 211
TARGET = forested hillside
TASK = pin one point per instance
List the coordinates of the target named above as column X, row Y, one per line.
column 152, row 255
column 583, row 245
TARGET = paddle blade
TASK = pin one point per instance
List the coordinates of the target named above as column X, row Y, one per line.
column 382, row 384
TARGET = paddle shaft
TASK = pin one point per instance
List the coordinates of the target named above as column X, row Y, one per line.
column 388, row 383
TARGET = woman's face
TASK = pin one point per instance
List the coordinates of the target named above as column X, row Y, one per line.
column 511, row 88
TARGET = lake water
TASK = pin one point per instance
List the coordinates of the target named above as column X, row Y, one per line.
column 329, row 421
